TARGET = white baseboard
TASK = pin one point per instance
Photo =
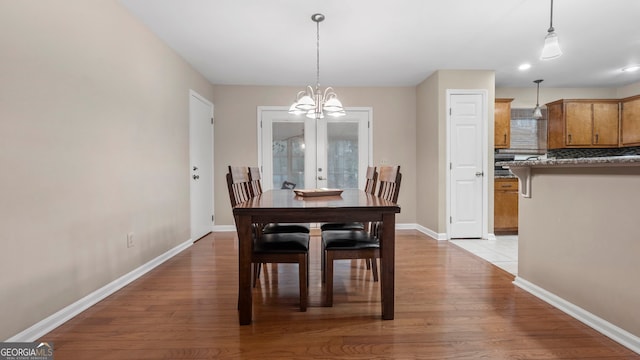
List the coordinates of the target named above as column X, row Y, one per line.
column 227, row 228
column 224, row 228
column 45, row 326
column 608, row 329
column 406, row 226
column 431, row 233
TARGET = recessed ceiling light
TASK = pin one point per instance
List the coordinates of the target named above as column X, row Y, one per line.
column 525, row 66
column 631, row 68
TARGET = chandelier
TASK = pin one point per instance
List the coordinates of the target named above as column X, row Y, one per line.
column 315, row 102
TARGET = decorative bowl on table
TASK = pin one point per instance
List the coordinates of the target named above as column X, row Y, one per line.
column 317, row 192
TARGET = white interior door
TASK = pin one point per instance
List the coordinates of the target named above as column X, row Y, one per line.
column 313, row 153
column 466, row 155
column 201, row 168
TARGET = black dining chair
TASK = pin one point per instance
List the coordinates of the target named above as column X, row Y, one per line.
column 369, row 188
column 358, row 244
column 272, row 247
column 255, row 179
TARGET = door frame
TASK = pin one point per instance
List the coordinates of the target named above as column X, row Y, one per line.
column 485, row 158
column 194, row 94
column 367, row 109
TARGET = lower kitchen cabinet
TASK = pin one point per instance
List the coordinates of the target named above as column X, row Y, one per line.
column 505, row 213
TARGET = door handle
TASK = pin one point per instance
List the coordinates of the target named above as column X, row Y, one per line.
column 196, row 177
column 195, row 168
column 479, row 173
column 322, row 178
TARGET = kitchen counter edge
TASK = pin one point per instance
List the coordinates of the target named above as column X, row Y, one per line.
column 633, row 160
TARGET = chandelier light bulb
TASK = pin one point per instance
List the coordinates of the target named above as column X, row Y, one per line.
column 551, row 49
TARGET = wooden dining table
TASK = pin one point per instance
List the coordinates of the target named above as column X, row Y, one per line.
column 284, row 206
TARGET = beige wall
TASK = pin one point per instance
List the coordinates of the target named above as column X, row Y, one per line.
column 236, row 132
column 465, row 79
column 432, row 127
column 578, row 238
column 428, row 158
column 526, row 97
column 93, row 145
column 629, row 90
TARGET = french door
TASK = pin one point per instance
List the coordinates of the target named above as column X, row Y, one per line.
column 309, row 153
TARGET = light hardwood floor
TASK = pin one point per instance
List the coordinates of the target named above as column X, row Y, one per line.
column 450, row 304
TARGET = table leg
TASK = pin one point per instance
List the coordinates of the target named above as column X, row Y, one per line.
column 243, row 225
column 387, row 265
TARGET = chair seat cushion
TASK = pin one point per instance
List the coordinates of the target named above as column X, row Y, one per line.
column 342, row 226
column 348, row 239
column 282, row 243
column 285, row 228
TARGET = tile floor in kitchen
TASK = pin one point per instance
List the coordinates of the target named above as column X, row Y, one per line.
column 502, row 252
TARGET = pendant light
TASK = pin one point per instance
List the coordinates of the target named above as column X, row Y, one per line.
column 537, row 112
column 551, row 48
column 314, row 102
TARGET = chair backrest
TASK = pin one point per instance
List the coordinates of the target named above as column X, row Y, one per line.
column 288, row 185
column 372, row 178
column 238, row 184
column 389, row 178
column 255, row 180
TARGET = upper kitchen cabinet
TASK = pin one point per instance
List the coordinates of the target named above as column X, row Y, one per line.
column 630, row 123
column 502, row 123
column 583, row 124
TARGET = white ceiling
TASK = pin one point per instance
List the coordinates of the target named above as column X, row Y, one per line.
column 399, row 42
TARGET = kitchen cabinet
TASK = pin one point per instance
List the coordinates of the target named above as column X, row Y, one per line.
column 502, row 123
column 630, row 122
column 583, row 123
column 505, row 206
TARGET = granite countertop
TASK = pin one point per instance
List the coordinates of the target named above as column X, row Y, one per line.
column 510, row 176
column 627, row 160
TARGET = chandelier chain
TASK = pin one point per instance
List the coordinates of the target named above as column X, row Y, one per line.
column 317, row 54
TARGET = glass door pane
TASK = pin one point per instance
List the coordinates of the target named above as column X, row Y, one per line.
column 342, row 155
column 343, row 151
column 284, row 149
column 312, row 153
column 288, row 149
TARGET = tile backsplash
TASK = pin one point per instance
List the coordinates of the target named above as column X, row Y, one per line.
column 528, row 133
column 579, row 153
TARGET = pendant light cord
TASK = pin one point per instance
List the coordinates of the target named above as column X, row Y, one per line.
column 551, row 29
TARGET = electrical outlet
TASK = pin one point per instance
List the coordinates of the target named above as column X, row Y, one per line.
column 130, row 242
